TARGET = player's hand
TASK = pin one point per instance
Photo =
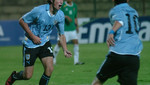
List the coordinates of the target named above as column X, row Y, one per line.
column 110, row 40
column 67, row 53
column 36, row 39
column 68, row 18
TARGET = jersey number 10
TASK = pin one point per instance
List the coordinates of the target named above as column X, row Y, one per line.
column 129, row 24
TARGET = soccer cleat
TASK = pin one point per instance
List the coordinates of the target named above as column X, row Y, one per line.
column 79, row 63
column 10, row 80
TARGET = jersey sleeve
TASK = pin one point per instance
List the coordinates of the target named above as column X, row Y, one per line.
column 116, row 16
column 60, row 24
column 31, row 16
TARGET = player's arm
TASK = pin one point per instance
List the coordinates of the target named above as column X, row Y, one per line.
column 110, row 40
column 76, row 23
column 68, row 18
column 60, row 28
column 76, row 19
column 25, row 27
column 64, row 46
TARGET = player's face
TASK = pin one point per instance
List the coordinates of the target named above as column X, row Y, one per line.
column 58, row 4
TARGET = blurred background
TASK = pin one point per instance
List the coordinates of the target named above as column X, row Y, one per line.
column 14, row 9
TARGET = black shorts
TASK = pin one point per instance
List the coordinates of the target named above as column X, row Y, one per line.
column 124, row 66
column 31, row 54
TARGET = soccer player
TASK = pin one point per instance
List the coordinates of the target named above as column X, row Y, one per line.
column 38, row 25
column 124, row 46
column 71, row 29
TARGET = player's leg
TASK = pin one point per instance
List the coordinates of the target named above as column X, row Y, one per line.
column 22, row 75
column 96, row 82
column 76, row 51
column 74, row 38
column 48, row 69
column 29, row 57
column 128, row 76
column 102, row 73
column 46, row 57
column 108, row 69
column 27, row 73
column 57, row 47
column 56, row 51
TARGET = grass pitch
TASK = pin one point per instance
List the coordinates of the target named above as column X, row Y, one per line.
column 65, row 73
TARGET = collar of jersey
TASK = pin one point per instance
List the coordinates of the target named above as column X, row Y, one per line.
column 68, row 4
column 48, row 12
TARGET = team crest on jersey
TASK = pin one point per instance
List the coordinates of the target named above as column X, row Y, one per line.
column 66, row 9
column 27, row 56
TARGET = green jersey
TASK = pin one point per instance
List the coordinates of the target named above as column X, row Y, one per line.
column 71, row 11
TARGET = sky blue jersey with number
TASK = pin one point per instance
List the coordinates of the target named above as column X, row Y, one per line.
column 41, row 23
column 127, row 41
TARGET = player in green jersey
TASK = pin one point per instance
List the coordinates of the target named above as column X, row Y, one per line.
column 71, row 29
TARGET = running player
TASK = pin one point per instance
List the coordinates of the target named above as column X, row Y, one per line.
column 124, row 46
column 38, row 24
column 71, row 29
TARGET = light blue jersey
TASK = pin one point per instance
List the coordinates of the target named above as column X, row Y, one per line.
column 41, row 23
column 127, row 41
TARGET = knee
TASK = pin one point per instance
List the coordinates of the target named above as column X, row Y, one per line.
column 49, row 70
column 96, row 82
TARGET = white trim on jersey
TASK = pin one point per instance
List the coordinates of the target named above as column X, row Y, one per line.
column 121, row 22
column 69, row 4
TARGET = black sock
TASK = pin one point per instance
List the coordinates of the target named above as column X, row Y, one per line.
column 18, row 76
column 44, row 80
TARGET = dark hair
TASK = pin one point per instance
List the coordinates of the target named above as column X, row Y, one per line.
column 49, row 1
column 120, row 1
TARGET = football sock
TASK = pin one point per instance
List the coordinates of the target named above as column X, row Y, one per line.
column 76, row 53
column 18, row 76
column 44, row 80
column 56, row 50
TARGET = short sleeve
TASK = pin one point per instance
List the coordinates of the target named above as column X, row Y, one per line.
column 115, row 15
column 31, row 16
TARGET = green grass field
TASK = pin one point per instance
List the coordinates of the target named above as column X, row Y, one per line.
column 65, row 73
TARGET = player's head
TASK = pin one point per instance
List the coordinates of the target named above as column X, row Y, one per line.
column 56, row 3
column 49, row 1
column 120, row 1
